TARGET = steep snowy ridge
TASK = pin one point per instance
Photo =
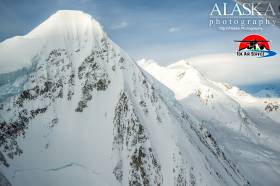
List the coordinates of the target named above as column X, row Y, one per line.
column 86, row 114
column 245, row 126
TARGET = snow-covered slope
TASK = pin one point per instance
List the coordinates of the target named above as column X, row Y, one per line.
column 76, row 110
column 245, row 126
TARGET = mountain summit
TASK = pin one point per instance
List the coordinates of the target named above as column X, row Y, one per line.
column 69, row 29
column 80, row 111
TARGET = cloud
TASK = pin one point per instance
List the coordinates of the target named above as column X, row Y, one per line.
column 229, row 68
column 226, row 67
column 174, row 29
column 120, row 25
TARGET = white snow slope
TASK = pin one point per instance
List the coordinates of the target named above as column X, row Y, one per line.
column 247, row 128
column 76, row 110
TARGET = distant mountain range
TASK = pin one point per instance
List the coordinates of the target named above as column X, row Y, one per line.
column 245, row 126
column 263, row 90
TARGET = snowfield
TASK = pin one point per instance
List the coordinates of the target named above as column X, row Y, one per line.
column 77, row 110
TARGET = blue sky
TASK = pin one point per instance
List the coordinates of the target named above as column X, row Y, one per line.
column 163, row 30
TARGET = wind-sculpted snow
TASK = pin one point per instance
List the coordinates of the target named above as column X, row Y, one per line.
column 86, row 102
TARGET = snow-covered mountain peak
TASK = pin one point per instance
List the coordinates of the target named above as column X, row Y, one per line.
column 66, row 29
column 146, row 62
column 191, row 71
column 180, row 64
column 71, row 24
column 179, row 67
column 181, row 72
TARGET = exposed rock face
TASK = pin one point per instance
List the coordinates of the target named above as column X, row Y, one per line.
column 4, row 181
column 130, row 134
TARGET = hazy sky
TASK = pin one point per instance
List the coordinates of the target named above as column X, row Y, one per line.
column 163, row 30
